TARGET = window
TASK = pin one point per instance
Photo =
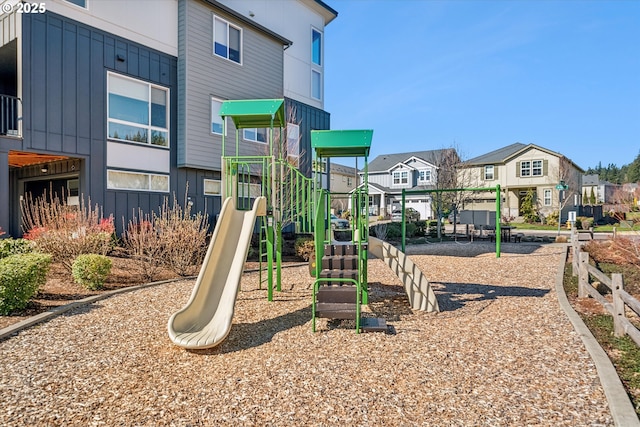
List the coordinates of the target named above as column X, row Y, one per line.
column 400, row 178
column 316, row 47
column 424, row 175
column 255, row 135
column 488, row 173
column 349, row 181
column 532, row 168
column 81, row 3
column 316, row 84
column 217, row 125
column 137, row 111
column 227, row 40
column 121, row 180
column 293, row 144
column 212, row 187
column 536, row 168
column 547, row 197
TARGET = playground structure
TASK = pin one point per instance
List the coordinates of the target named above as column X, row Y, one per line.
column 271, row 191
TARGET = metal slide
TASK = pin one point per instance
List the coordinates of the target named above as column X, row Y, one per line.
column 206, row 319
column 418, row 288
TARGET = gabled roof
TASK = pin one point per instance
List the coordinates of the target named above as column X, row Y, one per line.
column 342, row 169
column 401, row 164
column 592, row 179
column 504, row 154
column 384, row 162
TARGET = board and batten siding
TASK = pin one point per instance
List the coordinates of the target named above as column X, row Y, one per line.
column 203, row 74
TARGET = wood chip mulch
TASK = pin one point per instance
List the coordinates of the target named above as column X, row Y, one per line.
column 500, row 353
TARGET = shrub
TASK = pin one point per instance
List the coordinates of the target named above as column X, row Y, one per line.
column 586, row 222
column 21, row 276
column 552, row 218
column 12, row 246
column 91, row 270
column 66, row 231
column 305, row 247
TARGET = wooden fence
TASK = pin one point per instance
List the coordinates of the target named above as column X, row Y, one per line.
column 621, row 300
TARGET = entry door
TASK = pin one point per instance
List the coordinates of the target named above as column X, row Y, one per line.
column 66, row 189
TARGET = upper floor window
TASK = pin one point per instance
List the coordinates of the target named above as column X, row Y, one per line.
column 531, row 168
column 424, row 175
column 81, row 3
column 137, row 111
column 316, row 84
column 255, row 135
column 489, row 172
column 316, row 47
column 227, row 40
column 217, row 124
column 401, row 177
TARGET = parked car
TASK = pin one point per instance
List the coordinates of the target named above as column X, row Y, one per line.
column 339, row 223
column 457, row 219
column 411, row 215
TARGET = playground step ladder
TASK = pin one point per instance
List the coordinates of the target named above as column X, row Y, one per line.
column 263, row 253
column 339, row 299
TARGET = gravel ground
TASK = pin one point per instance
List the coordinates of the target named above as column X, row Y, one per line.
column 500, row 353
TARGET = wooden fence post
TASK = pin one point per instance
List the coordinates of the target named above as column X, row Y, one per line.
column 618, row 304
column 583, row 274
column 575, row 247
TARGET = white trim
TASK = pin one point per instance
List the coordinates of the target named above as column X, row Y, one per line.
column 210, row 180
column 213, row 39
column 319, row 73
column 213, row 99
column 313, row 63
column 148, row 175
column 85, row 7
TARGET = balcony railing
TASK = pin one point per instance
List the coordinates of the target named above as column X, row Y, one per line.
column 10, row 115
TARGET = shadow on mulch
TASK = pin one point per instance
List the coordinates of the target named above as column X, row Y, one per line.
column 454, row 296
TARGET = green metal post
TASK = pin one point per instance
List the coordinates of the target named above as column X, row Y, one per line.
column 498, row 217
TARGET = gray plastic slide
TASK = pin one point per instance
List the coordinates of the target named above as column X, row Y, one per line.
column 206, row 319
column 418, row 288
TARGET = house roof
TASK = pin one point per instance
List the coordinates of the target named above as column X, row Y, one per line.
column 385, row 162
column 504, row 154
column 591, row 179
column 342, row 169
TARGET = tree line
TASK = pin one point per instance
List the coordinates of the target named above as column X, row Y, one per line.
column 618, row 175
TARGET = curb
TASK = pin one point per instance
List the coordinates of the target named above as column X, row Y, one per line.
column 622, row 411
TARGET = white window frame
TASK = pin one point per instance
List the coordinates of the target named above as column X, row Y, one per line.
column 215, row 114
column 228, row 25
column 148, row 127
column 320, row 61
column 149, row 175
column 537, row 167
column 547, row 197
column 206, row 181
column 86, row 4
column 293, row 143
column 400, row 177
column 489, row 176
column 525, row 166
column 424, row 175
column 313, row 95
column 255, row 130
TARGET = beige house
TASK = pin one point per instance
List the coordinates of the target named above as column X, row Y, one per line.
column 555, row 180
column 343, row 180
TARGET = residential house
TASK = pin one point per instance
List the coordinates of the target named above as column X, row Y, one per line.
column 518, row 169
column 603, row 191
column 343, row 180
column 97, row 102
column 389, row 174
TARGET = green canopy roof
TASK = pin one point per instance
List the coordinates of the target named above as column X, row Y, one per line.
column 254, row 113
column 341, row 143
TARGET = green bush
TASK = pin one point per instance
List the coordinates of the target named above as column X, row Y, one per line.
column 12, row 246
column 21, row 276
column 91, row 270
column 552, row 219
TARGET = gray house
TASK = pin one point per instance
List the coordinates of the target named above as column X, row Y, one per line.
column 91, row 108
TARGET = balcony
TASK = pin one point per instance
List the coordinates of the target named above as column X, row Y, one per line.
column 10, row 109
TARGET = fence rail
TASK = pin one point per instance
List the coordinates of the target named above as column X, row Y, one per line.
column 9, row 115
column 621, row 299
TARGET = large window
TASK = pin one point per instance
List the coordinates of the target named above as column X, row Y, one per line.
column 293, row 144
column 255, row 135
column 489, row 172
column 424, row 176
column 137, row 111
column 227, row 40
column 316, row 47
column 401, row 177
column 125, row 180
column 217, row 125
column 531, row 168
column 212, row 187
